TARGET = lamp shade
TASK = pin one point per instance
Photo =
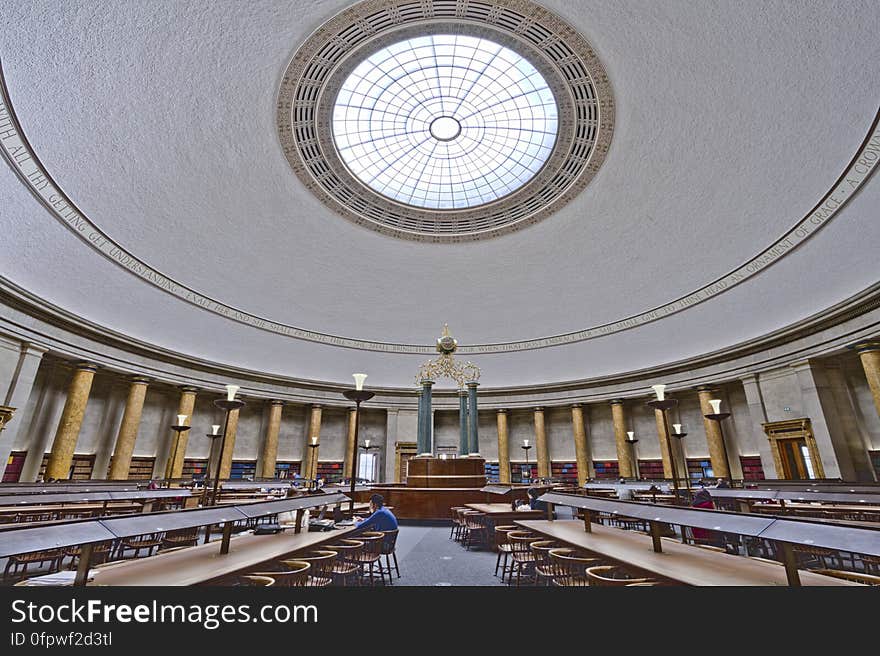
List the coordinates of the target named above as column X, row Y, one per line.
column 181, row 420
column 716, row 406
column 359, row 381
column 314, row 439
column 659, row 390
column 630, row 435
column 676, row 428
column 230, row 392
column 215, row 429
column 367, row 443
column 525, row 442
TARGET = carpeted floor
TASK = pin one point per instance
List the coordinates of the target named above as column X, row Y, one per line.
column 428, row 557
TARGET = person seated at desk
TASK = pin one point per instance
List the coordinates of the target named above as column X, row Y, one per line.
column 534, row 504
column 382, row 519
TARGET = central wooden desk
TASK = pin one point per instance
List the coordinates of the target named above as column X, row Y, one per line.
column 678, row 562
column 497, row 513
column 205, row 563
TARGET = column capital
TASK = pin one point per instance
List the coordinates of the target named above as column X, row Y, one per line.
column 274, row 402
column 472, row 383
column 188, row 389
column 140, row 380
column 353, row 409
column 538, row 408
column 86, row 366
column 426, row 382
column 707, row 388
column 502, row 411
column 866, row 346
column 462, row 391
column 315, row 406
column 617, row 401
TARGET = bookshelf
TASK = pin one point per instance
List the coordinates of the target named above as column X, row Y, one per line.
column 516, row 471
column 651, row 469
column 80, row 466
column 699, row 468
column 606, row 469
column 565, row 472
column 493, row 472
column 243, row 469
column 194, row 467
column 331, row 472
column 754, row 471
column 12, row 473
column 141, row 468
column 288, row 469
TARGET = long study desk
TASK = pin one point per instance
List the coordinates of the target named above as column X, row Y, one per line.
column 679, row 562
column 204, row 563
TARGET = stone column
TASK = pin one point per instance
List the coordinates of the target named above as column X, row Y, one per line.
column 64, row 446
column 270, row 446
column 662, row 434
column 625, row 464
column 713, row 434
column 869, row 354
column 581, row 448
column 425, row 443
column 541, row 449
column 420, row 430
column 473, row 420
column 228, row 448
column 350, row 445
column 503, row 447
column 24, row 361
column 185, row 406
column 757, row 419
column 463, row 446
column 128, row 429
column 311, row 456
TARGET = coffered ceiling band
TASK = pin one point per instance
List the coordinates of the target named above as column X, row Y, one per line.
column 21, row 158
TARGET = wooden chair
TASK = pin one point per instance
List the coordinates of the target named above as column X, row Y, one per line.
column 871, row 564
column 100, row 554
column 858, row 577
column 148, row 541
column 543, row 568
column 26, row 517
column 612, row 575
column 347, row 564
column 521, row 550
column 389, row 545
column 320, row 575
column 502, row 546
column 252, row 580
column 370, row 555
column 807, row 556
column 183, row 537
column 296, row 576
column 477, row 533
column 455, row 531
column 51, row 556
column 568, row 567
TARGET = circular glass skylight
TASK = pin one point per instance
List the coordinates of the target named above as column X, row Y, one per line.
column 445, row 121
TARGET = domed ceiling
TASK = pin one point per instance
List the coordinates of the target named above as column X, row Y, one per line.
column 734, row 198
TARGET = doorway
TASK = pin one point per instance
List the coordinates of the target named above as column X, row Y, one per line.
column 794, row 449
column 796, row 461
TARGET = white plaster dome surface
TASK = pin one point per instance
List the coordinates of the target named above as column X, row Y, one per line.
column 733, row 120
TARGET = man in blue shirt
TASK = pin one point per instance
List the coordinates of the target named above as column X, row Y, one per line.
column 381, row 520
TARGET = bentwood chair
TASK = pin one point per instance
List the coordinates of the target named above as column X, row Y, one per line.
column 369, row 557
column 612, row 575
column 183, row 537
column 347, row 564
column 252, row 580
column 320, row 574
column 521, row 550
column 568, row 567
column 810, row 556
column 543, row 569
column 148, row 541
column 502, row 546
column 100, row 554
column 51, row 556
column 455, row 531
column 871, row 564
column 477, row 533
column 296, row 575
column 389, row 545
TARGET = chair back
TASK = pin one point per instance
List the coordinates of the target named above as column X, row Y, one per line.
column 295, row 576
column 473, row 519
column 321, row 560
column 261, row 581
column 541, row 551
column 612, row 575
column 373, row 541
column 389, row 541
column 501, row 535
column 569, row 567
column 520, row 545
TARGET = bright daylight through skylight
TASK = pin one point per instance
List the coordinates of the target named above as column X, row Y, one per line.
column 445, row 121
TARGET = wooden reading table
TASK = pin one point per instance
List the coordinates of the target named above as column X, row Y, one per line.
column 677, row 562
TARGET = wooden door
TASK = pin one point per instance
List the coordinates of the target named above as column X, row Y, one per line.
column 794, row 463
column 403, row 452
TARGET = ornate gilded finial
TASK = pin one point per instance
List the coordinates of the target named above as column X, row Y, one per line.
column 445, row 332
column 445, row 366
column 446, row 344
